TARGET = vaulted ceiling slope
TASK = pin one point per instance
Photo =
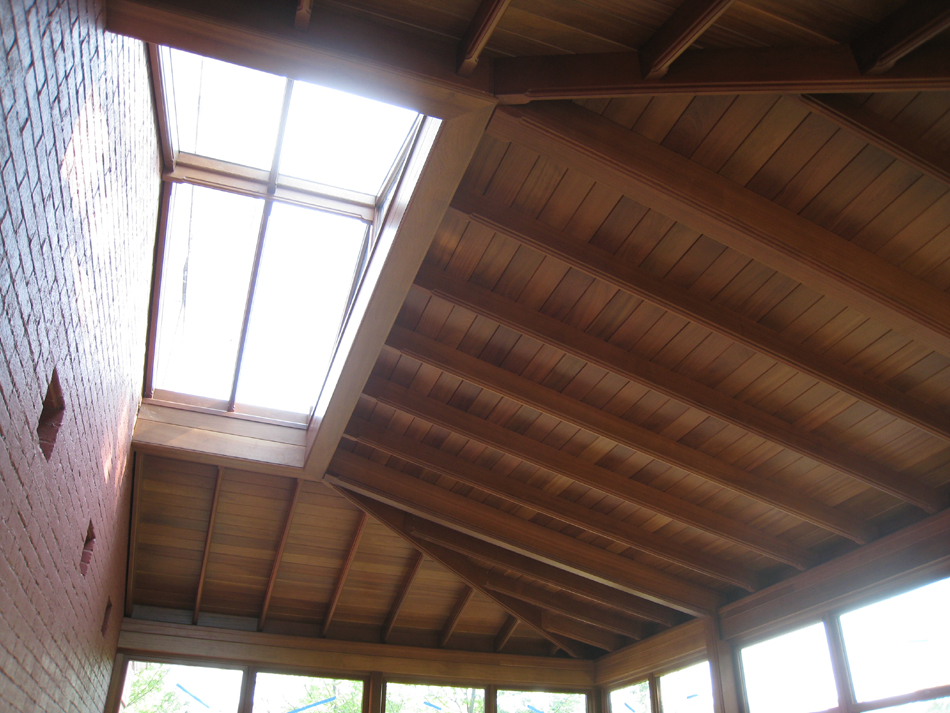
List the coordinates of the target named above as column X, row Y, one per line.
column 681, row 334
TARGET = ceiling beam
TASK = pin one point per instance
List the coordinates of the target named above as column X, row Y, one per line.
column 414, row 495
column 401, row 596
column 899, row 34
column 272, row 580
column 344, row 571
column 581, row 631
column 731, row 214
column 690, row 20
column 504, row 633
column 453, row 619
column 656, row 446
column 879, row 132
column 207, row 550
column 479, row 32
column 800, row 70
column 602, row 265
column 394, row 519
column 559, row 508
column 137, row 485
column 521, row 564
column 581, row 471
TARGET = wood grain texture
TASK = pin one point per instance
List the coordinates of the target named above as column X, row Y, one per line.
column 344, row 572
column 879, row 48
column 687, row 23
column 479, row 32
column 207, row 548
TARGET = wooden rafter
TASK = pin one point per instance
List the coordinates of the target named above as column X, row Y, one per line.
column 137, row 479
column 394, row 519
column 395, row 488
column 505, row 632
column 272, row 580
column 546, row 573
column 802, row 70
column 465, row 596
column 883, row 134
column 581, row 631
column 401, row 596
column 604, row 266
column 559, row 508
column 731, row 214
column 344, row 571
column 690, row 20
column 207, row 550
column 657, row 446
column 581, row 471
column 917, row 21
column 479, row 32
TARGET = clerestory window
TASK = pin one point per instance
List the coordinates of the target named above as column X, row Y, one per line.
column 272, row 202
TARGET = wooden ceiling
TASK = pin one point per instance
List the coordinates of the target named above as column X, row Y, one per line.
column 665, row 349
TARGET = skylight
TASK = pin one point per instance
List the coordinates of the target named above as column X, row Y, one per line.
column 269, row 223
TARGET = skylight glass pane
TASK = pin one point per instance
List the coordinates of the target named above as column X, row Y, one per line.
column 209, row 251
column 899, row 645
column 225, row 111
column 307, row 270
column 773, row 672
column 341, row 140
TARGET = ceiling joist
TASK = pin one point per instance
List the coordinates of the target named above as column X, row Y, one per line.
column 690, row 20
column 344, row 571
column 272, row 580
column 486, row 19
column 453, row 619
column 207, row 548
column 900, row 33
column 401, row 596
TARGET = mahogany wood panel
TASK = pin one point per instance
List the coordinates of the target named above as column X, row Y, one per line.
column 580, row 631
column 682, row 29
column 732, row 215
column 899, row 34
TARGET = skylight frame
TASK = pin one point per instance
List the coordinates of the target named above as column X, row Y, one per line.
column 188, row 168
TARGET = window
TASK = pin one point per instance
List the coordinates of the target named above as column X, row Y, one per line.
column 774, row 672
column 275, row 199
column 410, row 698
column 688, row 690
column 540, row 702
column 151, row 686
column 632, row 699
column 281, row 693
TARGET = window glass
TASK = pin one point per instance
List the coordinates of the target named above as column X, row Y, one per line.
column 172, row 688
column 632, row 699
column 341, row 140
column 901, row 644
column 540, row 702
column 937, row 705
column 209, row 252
column 773, row 672
column 225, row 111
column 408, row 698
column 688, row 690
column 280, row 693
column 307, row 269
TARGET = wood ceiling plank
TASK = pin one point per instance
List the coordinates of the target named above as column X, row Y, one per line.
column 401, row 597
column 576, row 469
column 581, row 631
column 344, row 572
column 642, row 284
column 917, row 21
column 559, row 508
column 799, row 70
column 733, row 216
column 405, row 492
column 687, row 23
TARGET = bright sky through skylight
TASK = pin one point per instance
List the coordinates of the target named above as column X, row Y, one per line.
column 209, row 250
column 307, row 268
column 342, row 140
column 901, row 644
column 791, row 673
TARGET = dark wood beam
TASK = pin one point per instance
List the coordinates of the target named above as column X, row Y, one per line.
column 520, row 564
column 551, row 505
column 504, row 633
column 660, row 447
column 722, row 669
column 589, row 474
column 731, row 214
column 344, row 571
column 486, row 19
column 900, row 33
column 394, row 519
column 207, row 550
column 272, row 580
column 401, row 596
column 453, row 619
column 801, row 70
column 604, row 266
column 302, row 16
column 580, row 631
column 690, row 20
column 885, row 135
column 137, row 479
column 410, row 494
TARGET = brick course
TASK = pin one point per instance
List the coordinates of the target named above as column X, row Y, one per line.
column 79, row 183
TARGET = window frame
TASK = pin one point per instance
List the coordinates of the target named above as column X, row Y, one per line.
column 185, row 168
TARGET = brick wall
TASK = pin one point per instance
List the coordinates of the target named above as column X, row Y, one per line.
column 78, row 201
